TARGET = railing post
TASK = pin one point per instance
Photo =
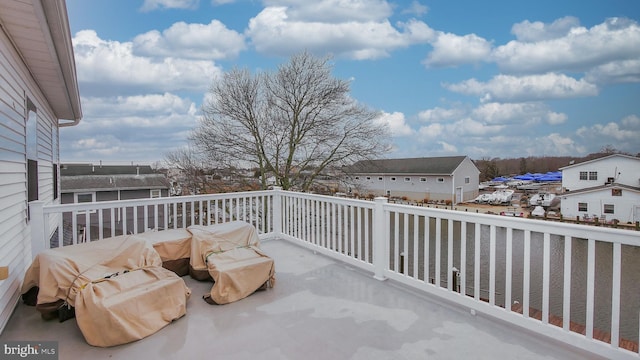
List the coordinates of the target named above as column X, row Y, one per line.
column 380, row 240
column 37, row 224
column 277, row 210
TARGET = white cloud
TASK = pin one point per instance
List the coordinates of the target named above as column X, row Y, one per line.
column 150, row 5
column 448, row 148
column 522, row 114
column 526, row 88
column 623, row 134
column 416, row 8
column 275, row 31
column 151, row 105
column 129, row 127
column 527, row 31
column 615, row 72
column 469, row 127
column 487, row 130
column 453, row 50
column 431, row 131
column 397, row 124
column 106, row 66
column 439, row 114
column 557, row 145
column 211, row 41
column 580, row 49
column 334, row 11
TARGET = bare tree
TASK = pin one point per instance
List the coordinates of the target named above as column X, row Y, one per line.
column 189, row 164
column 291, row 124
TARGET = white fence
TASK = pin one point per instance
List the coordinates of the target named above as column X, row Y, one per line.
column 573, row 283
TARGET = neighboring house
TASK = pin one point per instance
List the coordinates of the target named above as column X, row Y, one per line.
column 38, row 95
column 90, row 183
column 449, row 178
column 607, row 188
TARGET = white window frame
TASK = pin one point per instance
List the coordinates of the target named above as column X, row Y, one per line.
column 440, row 180
column 609, row 209
column 407, row 179
column 93, row 199
column 158, row 193
column 423, row 179
column 583, row 207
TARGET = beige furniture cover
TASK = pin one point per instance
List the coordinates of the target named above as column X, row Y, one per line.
column 118, row 288
column 231, row 255
column 173, row 246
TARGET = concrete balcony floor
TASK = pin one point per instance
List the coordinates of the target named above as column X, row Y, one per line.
column 319, row 309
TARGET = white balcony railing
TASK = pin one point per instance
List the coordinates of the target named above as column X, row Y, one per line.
column 573, row 283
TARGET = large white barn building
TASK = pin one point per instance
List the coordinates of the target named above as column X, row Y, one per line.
column 448, row 178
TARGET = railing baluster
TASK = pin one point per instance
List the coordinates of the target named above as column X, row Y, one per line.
column 438, row 250
column 192, row 208
column 396, row 242
column 476, row 263
column 156, row 223
column 450, row 254
column 352, row 225
column 492, row 264
column 566, row 291
column 175, row 215
column 100, row 224
column 463, row 258
column 526, row 281
column 416, row 251
column 591, row 271
column 165, row 216
column 405, row 244
column 124, row 220
column 615, row 294
column 112, row 215
column 546, row 264
column 427, row 244
column 184, row 214
column 367, row 239
column 340, row 226
column 87, row 226
column 508, row 269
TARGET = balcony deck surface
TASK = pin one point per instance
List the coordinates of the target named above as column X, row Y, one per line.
column 319, row 309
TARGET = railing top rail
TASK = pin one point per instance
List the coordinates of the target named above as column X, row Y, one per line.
column 335, row 199
column 626, row 237
column 53, row 208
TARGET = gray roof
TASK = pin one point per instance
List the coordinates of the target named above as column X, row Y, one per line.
column 445, row 165
column 112, row 182
column 602, row 187
column 91, row 169
column 599, row 159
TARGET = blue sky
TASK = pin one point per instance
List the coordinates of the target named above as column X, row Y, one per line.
column 484, row 79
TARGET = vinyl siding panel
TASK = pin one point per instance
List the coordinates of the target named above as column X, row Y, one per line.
column 16, row 85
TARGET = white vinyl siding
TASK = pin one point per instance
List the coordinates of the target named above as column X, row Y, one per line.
column 16, row 85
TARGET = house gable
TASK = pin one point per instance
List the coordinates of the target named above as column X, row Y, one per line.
column 616, row 168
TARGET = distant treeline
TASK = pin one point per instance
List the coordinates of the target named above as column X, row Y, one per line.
column 492, row 168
